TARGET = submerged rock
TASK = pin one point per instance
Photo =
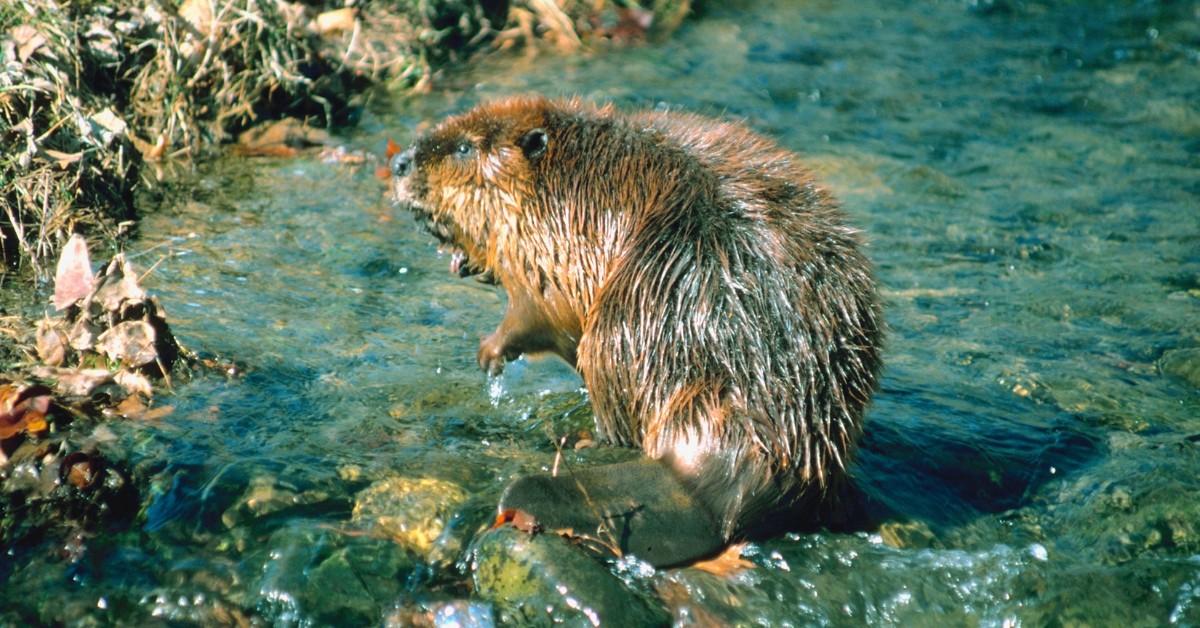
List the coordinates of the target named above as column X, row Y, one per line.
column 544, row 579
column 1182, row 363
column 314, row 574
column 266, row 496
column 449, row 613
column 413, row 512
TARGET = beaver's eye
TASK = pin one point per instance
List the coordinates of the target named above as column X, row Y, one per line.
column 464, row 149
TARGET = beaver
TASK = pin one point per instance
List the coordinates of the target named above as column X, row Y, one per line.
column 710, row 293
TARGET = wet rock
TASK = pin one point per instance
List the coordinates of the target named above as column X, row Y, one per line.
column 933, row 182
column 1182, row 363
column 413, row 512
column 453, row 613
column 543, row 579
column 456, row 612
column 267, row 496
column 907, row 534
column 317, row 575
column 50, row 485
column 356, row 583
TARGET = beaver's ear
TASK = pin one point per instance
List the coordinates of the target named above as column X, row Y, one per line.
column 533, row 143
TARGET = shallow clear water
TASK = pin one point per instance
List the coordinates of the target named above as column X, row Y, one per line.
column 1029, row 180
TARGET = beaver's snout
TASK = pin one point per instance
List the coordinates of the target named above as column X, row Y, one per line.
column 402, row 162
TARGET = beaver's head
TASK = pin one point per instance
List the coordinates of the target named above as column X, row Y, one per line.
column 473, row 175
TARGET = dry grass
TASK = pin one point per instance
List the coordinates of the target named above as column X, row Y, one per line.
column 92, row 91
column 66, row 161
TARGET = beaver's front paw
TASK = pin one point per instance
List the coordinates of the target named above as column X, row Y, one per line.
column 493, row 353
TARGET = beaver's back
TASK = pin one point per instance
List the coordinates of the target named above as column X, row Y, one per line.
column 742, row 329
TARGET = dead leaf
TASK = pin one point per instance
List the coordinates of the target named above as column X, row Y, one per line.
column 74, row 382
column 81, row 474
column 51, row 343
column 334, row 21
column 62, row 159
column 11, row 424
column 35, row 422
column 154, row 414
column 131, row 343
column 118, row 284
column 28, row 40
column 23, row 409
column 134, row 383
column 109, row 124
column 82, row 335
column 198, row 13
column 728, row 563
column 150, row 152
column 519, row 519
column 8, row 396
column 131, row 407
column 80, row 470
column 339, row 155
column 73, row 279
column 280, row 138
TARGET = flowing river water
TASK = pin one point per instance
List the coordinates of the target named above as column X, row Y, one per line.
column 1028, row 177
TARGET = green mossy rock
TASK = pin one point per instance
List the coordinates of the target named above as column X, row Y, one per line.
column 543, row 579
column 1182, row 363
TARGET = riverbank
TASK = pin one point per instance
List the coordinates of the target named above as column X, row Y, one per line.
column 95, row 99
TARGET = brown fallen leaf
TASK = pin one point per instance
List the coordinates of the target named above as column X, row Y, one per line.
column 74, row 382
column 150, row 152
column 335, row 21
column 131, row 343
column 280, row 138
column 728, row 563
column 199, row 14
column 519, row 519
column 62, row 159
column 384, row 172
column 339, row 155
column 73, row 278
column 23, row 409
column 108, row 125
column 118, row 283
column 80, row 469
column 154, row 414
column 51, row 342
column 137, row 408
column 82, row 335
column 35, row 422
column 134, row 383
column 81, row 474
column 28, row 40
column 11, row 424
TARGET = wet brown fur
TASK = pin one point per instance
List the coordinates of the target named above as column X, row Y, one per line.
column 706, row 288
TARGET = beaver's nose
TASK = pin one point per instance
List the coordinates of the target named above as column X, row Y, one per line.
column 402, row 163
